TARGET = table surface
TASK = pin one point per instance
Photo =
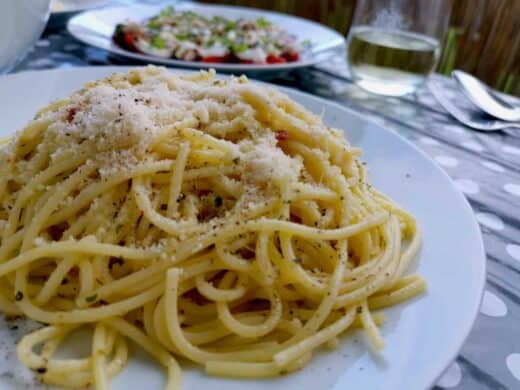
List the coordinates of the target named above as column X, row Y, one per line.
column 485, row 166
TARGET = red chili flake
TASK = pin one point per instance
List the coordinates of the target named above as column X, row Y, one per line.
column 282, row 135
column 71, row 114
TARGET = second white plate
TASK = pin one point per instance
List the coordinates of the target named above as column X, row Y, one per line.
column 97, row 26
column 63, row 10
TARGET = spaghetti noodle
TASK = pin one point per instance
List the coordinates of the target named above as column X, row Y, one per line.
column 215, row 220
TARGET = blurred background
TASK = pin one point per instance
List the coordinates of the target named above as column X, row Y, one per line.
column 483, row 37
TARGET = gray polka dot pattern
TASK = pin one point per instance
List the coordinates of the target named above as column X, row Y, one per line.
column 485, row 166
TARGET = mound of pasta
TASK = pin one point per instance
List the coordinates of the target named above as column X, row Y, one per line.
column 214, row 220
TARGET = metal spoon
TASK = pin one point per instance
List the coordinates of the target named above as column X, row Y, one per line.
column 475, row 119
column 486, row 99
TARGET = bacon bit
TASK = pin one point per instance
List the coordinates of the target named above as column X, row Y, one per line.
column 282, row 135
column 203, row 192
column 71, row 113
column 73, row 272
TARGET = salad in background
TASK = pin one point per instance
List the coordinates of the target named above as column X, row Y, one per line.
column 189, row 36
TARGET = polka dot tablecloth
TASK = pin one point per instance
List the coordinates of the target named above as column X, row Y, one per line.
column 484, row 166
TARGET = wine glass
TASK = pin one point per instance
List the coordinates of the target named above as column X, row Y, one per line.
column 394, row 45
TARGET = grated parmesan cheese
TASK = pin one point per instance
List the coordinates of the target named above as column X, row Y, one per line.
column 39, row 241
column 120, row 117
column 264, row 162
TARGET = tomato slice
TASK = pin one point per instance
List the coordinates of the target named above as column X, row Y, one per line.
column 291, row 57
column 128, row 42
column 272, row 59
column 215, row 59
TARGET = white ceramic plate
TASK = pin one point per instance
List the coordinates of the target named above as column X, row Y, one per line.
column 97, row 26
column 423, row 336
column 63, row 10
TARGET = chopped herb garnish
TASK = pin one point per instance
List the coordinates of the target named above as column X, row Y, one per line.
column 229, row 25
column 120, row 29
column 182, row 37
column 210, row 43
column 154, row 24
column 167, row 11
column 262, row 22
column 18, row 296
column 239, row 47
column 218, row 201
column 157, row 42
column 306, row 43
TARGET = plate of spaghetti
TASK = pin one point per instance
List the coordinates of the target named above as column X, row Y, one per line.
column 186, row 231
column 193, row 35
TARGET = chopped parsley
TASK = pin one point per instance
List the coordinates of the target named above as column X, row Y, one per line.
column 182, row 37
column 239, row 47
column 154, row 24
column 263, row 22
column 168, row 11
column 157, row 42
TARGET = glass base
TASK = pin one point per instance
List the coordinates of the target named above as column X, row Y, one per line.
column 385, row 88
column 388, row 82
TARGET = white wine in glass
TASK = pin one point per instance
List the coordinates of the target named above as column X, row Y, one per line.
column 391, row 62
